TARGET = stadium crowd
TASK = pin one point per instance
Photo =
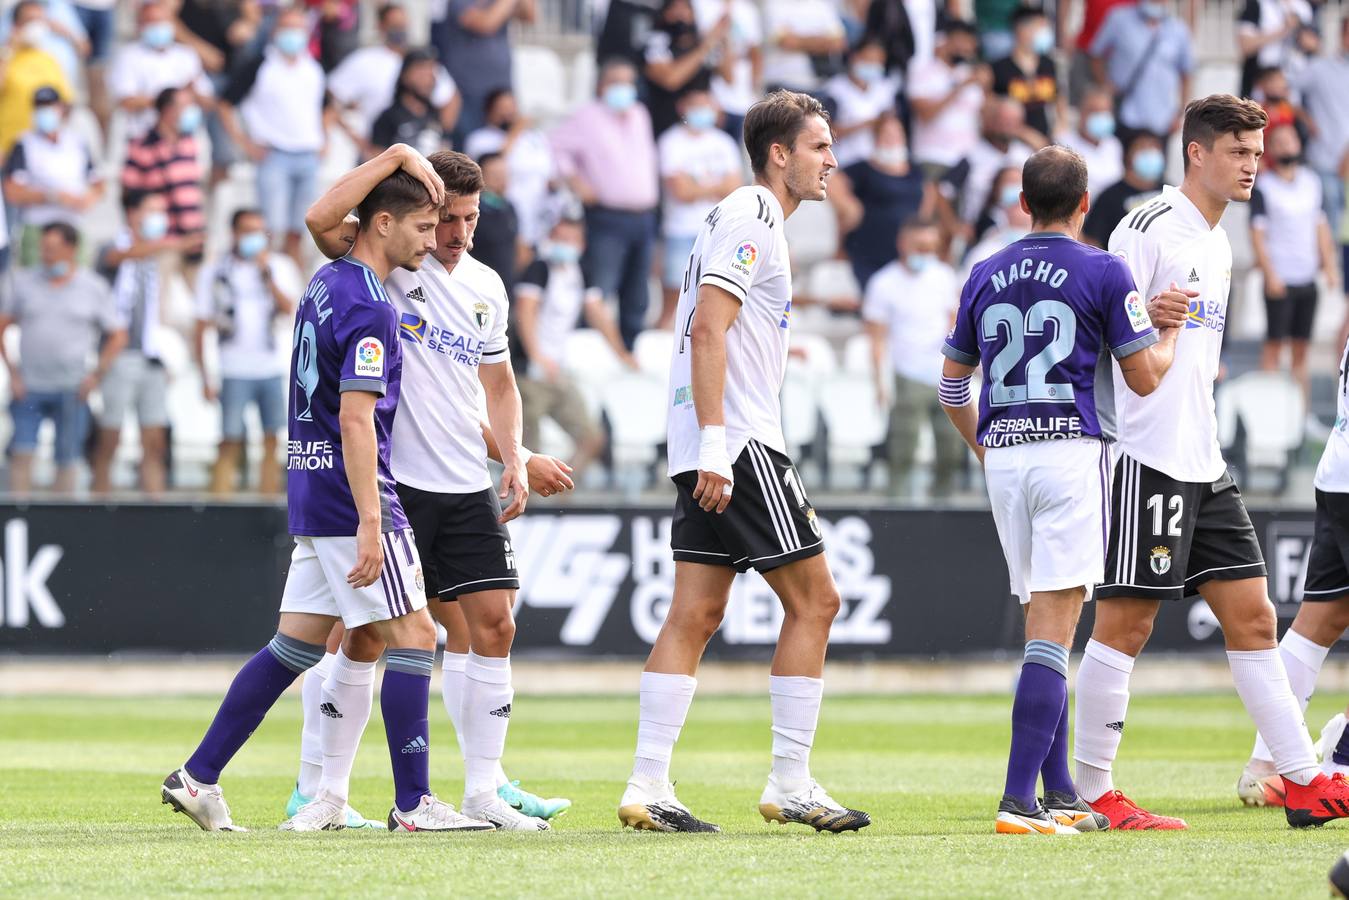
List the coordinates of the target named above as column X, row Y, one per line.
column 168, row 149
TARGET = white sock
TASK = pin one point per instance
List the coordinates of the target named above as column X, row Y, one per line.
column 347, row 695
column 796, row 711
column 1102, row 701
column 499, row 776
column 1263, row 687
column 663, row 702
column 1302, row 660
column 452, row 691
column 486, row 716
column 311, row 752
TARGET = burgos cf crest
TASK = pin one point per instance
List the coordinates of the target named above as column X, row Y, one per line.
column 482, row 314
column 1161, row 560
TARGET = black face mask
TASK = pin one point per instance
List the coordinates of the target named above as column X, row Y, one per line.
column 397, row 37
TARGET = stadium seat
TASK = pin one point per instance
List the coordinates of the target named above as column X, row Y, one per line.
column 634, row 404
column 1262, row 417
column 653, row 349
column 832, row 280
column 853, row 420
column 857, row 355
column 591, row 363
column 584, row 74
column 812, row 355
column 540, row 82
column 812, row 233
column 800, row 413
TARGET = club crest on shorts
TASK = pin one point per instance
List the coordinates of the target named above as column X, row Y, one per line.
column 1161, row 560
column 418, row 580
column 481, row 314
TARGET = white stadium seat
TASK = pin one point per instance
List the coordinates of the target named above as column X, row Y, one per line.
column 653, row 349
column 1272, row 412
column 812, row 234
column 812, row 354
column 540, row 82
column 634, row 403
column 857, row 355
column 800, row 412
column 584, row 74
column 832, row 280
column 853, row 420
column 590, row 362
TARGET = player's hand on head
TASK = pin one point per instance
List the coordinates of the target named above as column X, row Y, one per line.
column 515, row 487
column 713, row 491
column 420, row 168
column 548, row 475
column 369, row 556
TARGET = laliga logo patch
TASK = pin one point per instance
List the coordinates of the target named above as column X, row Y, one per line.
column 1161, row 560
column 745, row 256
column 370, row 357
column 1137, row 312
column 482, row 314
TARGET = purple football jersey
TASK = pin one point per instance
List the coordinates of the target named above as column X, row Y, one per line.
column 1039, row 316
column 346, row 339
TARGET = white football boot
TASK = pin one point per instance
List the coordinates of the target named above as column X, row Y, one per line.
column 435, row 815
column 650, row 805
column 322, row 813
column 202, row 803
column 489, row 807
column 811, row 806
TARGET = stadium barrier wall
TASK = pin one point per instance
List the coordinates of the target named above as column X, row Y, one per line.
column 99, row 579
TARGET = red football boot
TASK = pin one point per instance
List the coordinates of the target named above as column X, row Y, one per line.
column 1326, row 798
column 1125, row 815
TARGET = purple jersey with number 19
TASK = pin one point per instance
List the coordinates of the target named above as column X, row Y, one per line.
column 1039, row 316
column 346, row 339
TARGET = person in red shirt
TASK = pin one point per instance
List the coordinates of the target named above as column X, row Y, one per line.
column 1079, row 70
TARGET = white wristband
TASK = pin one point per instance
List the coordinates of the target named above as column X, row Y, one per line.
column 712, row 451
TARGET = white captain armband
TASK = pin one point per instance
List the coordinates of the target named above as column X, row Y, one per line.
column 954, row 391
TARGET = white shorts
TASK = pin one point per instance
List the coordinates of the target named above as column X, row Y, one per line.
column 1051, row 503
column 317, row 581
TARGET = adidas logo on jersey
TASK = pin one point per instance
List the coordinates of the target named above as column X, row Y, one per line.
column 1116, row 726
column 416, row 745
column 503, row 713
column 417, row 294
column 1194, row 276
column 330, row 711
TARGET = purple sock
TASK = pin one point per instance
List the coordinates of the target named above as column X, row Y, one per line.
column 1041, row 695
column 403, row 699
column 1340, row 754
column 1055, row 772
column 257, row 686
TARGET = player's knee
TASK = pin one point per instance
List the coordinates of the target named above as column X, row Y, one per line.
column 1125, row 634
column 1259, row 627
column 416, row 631
column 821, row 604
column 494, row 636
column 700, row 623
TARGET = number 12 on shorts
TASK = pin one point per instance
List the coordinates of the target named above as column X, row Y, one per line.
column 1177, row 506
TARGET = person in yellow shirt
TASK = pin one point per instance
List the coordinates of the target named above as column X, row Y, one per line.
column 23, row 69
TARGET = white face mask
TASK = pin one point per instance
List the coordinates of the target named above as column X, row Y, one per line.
column 34, row 33
column 892, row 157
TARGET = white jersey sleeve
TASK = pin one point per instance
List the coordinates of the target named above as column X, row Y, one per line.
column 1140, row 253
column 738, row 247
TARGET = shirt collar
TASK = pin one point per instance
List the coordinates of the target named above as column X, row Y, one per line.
column 1185, row 206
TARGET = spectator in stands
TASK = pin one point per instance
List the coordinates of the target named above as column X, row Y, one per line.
column 165, row 161
column 364, row 83
column 1144, row 55
column 946, row 93
column 496, row 241
column 63, row 311
column 862, row 95
column 472, row 42
column 1274, row 96
column 1006, row 220
column 1094, row 13
column 239, row 297
column 529, row 159
column 1095, row 140
column 136, row 379
column 676, row 59
column 699, row 165
column 891, row 25
column 1028, row 74
column 284, row 131
column 626, row 24
column 24, row 68
column 1267, row 33
column 737, row 66
column 995, row 26
column 1144, row 165
column 1004, row 142
column 65, row 37
column 550, row 300
column 874, row 196
column 1292, row 241
column 98, row 19
column 1324, row 87
column 49, row 176
column 337, row 31
column 413, row 118
column 142, row 69
column 607, row 153
column 801, row 35
column 909, row 307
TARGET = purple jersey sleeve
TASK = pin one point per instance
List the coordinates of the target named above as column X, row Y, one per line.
column 1128, row 328
column 962, row 343
column 367, row 334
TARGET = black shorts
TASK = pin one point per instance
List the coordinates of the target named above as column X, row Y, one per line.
column 464, row 549
column 1168, row 537
column 768, row 523
column 1328, row 562
column 1291, row 315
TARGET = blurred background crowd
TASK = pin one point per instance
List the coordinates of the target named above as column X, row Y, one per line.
column 158, row 159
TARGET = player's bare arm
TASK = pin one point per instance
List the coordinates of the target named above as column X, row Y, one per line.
column 548, row 475
column 716, row 312
column 329, row 220
column 964, row 416
column 359, row 455
column 1144, row 370
column 507, row 422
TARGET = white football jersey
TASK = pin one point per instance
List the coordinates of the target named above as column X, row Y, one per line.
column 741, row 249
column 1332, row 475
column 1174, row 429
column 449, row 323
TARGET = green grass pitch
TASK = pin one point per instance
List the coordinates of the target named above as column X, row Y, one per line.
column 80, row 811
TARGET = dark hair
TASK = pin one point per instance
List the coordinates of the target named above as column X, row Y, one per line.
column 1218, row 114
column 1138, row 137
column 20, row 7
column 133, row 198
column 1264, row 72
column 490, row 156
column 1053, row 181
column 459, row 172
column 384, row 10
column 918, row 222
column 865, row 41
column 398, row 195
column 959, row 26
column 1025, row 12
column 493, row 96
column 777, row 119
column 164, row 99
column 69, row 236
column 240, row 213
column 417, row 56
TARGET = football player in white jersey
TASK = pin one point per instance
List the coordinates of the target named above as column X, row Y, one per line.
column 1323, row 615
column 453, row 329
column 1179, row 526
column 740, row 501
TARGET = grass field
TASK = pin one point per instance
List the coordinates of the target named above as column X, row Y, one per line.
column 80, row 811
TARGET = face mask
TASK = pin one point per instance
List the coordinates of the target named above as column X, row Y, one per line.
column 917, row 262
column 290, row 41
column 1043, row 41
column 868, row 73
column 398, row 37
column 47, row 119
column 560, row 253
column 891, row 156
column 1149, row 164
column 56, row 271
column 251, row 244
column 34, row 33
column 1151, row 10
column 619, row 97
column 154, row 226
column 701, row 117
column 1010, row 196
column 189, row 120
column 1100, row 125
column 157, row 36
